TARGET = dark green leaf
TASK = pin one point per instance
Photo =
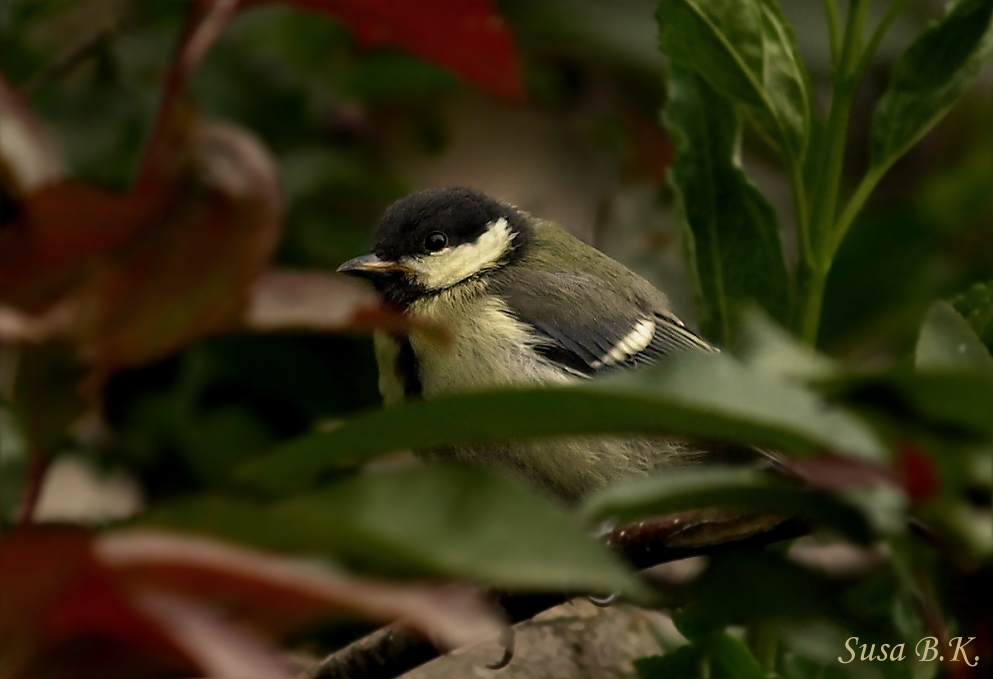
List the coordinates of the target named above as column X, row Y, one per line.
column 685, row 662
column 730, row 231
column 432, row 521
column 746, row 51
column 734, row 658
column 934, row 71
column 746, row 586
column 736, row 488
column 948, row 343
column 767, row 347
column 976, row 304
column 956, row 404
column 708, row 397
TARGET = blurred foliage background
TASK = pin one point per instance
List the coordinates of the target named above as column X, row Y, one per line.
column 352, row 129
column 355, row 129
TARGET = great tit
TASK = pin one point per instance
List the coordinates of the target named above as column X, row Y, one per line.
column 525, row 302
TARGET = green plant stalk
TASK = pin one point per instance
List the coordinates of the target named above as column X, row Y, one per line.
column 812, row 274
column 762, row 640
column 834, row 30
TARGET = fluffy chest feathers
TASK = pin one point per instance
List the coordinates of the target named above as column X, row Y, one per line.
column 489, row 347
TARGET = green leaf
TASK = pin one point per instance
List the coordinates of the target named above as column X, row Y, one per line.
column 976, row 304
column 927, row 79
column 730, row 230
column 951, row 403
column 443, row 522
column 737, row 488
column 734, row 658
column 948, row 343
column 685, row 662
column 707, row 397
column 746, row 51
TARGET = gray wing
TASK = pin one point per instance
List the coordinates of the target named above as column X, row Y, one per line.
column 582, row 325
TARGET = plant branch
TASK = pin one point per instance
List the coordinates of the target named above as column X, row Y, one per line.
column 812, row 275
column 892, row 12
column 834, row 30
column 38, row 464
column 392, row 651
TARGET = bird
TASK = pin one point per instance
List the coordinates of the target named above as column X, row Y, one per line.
column 526, row 303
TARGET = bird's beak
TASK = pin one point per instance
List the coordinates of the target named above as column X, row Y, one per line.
column 371, row 266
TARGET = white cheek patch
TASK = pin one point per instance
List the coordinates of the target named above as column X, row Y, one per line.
column 633, row 342
column 452, row 265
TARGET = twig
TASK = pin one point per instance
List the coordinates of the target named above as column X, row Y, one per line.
column 205, row 21
column 392, row 651
column 38, row 464
column 77, row 54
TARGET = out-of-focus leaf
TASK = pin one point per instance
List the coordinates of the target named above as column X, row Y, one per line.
column 438, row 521
column 156, row 604
column 706, row 397
column 730, row 231
column 46, row 401
column 948, row 343
column 685, row 662
column 190, row 275
column 466, row 36
column 958, row 404
column 767, row 347
column 927, row 79
column 217, row 647
column 746, row 51
column 278, row 595
column 976, row 305
column 61, row 228
column 740, row 586
column 734, row 657
column 28, row 158
column 307, row 300
column 740, row 489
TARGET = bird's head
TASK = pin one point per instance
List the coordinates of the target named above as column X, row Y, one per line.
column 435, row 239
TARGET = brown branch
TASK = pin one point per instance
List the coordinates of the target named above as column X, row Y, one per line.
column 392, row 651
column 205, row 21
column 38, row 464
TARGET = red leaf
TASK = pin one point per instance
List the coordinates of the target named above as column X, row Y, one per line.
column 217, row 647
column 278, row 595
column 466, row 36
column 60, row 612
column 61, row 229
column 839, row 473
column 920, row 479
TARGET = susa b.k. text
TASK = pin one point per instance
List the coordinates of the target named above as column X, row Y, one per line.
column 926, row 650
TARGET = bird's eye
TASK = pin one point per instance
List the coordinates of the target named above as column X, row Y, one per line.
column 435, row 241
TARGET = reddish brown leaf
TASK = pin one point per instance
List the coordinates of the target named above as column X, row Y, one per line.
column 277, row 595
column 53, row 595
column 465, row 36
column 310, row 300
column 217, row 647
column 839, row 473
column 61, row 228
column 143, row 604
column 28, row 158
column 190, row 273
column 920, row 478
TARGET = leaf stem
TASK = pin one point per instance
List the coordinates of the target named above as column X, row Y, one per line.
column 812, row 275
column 854, row 206
column 834, row 30
column 761, row 639
column 892, row 12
